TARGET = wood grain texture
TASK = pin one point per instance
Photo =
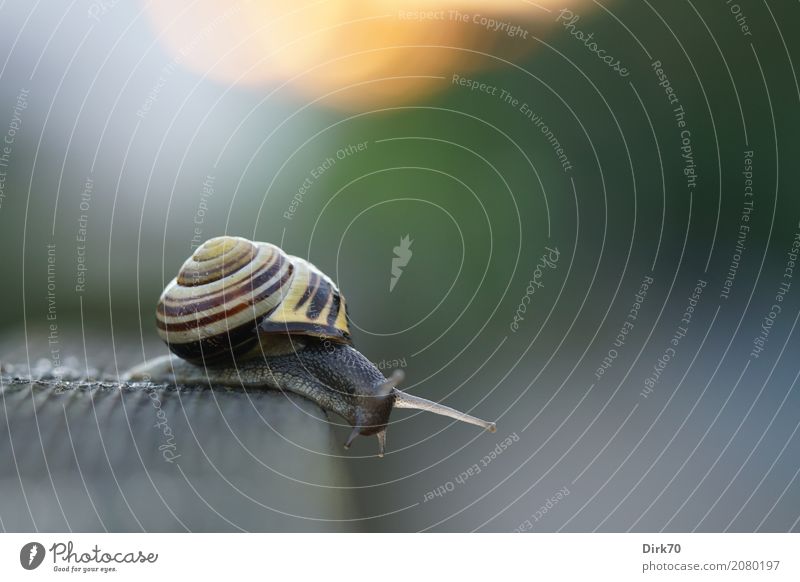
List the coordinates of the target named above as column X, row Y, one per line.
column 106, row 456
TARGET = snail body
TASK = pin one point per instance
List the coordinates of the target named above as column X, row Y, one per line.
column 244, row 313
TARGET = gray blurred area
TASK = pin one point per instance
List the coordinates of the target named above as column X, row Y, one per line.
column 101, row 456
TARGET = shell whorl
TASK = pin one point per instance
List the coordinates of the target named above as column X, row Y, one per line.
column 232, row 293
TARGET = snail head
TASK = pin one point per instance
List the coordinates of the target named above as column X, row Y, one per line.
column 375, row 403
column 372, row 416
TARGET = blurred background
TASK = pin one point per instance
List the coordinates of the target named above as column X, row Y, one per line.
column 565, row 176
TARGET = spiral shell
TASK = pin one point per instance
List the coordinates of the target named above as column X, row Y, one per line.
column 232, row 293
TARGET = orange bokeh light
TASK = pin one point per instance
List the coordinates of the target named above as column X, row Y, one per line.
column 351, row 53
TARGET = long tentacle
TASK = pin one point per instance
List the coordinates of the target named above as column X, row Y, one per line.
column 405, row 400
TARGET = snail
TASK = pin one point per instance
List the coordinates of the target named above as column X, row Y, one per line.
column 247, row 314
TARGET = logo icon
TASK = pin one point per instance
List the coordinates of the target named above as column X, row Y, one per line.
column 402, row 254
column 31, row 555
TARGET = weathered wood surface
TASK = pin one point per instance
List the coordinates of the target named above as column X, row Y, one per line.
column 94, row 456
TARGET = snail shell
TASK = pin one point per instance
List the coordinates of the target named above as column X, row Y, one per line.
column 232, row 294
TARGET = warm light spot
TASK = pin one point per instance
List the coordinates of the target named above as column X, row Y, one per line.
column 352, row 53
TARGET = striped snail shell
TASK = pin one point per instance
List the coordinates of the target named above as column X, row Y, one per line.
column 233, row 294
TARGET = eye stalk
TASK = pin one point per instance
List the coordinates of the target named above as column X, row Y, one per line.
column 391, row 383
column 405, row 400
column 399, row 399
